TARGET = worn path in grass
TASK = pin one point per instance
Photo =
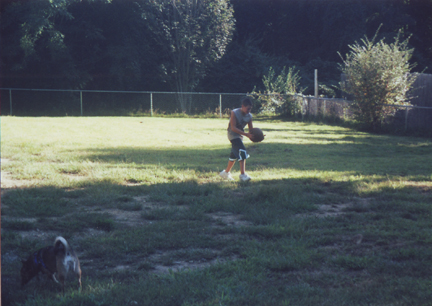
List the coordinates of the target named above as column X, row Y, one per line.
column 332, row 216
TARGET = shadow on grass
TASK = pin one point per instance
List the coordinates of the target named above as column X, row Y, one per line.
column 359, row 156
column 275, row 248
column 280, row 243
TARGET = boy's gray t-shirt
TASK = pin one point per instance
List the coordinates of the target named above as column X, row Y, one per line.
column 242, row 120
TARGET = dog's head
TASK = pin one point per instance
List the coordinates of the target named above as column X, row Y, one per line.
column 28, row 271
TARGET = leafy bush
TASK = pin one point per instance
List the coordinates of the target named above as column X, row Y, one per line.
column 377, row 74
column 278, row 97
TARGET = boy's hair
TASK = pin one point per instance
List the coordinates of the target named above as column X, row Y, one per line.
column 246, row 101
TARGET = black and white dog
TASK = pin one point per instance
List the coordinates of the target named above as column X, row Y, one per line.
column 54, row 261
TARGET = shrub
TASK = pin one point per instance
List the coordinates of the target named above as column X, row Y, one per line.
column 278, row 97
column 377, row 75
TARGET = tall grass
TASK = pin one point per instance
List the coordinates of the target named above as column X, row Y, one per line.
column 332, row 216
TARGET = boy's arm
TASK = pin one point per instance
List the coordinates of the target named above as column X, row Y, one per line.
column 233, row 122
column 250, row 125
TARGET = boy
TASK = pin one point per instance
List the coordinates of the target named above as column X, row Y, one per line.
column 238, row 120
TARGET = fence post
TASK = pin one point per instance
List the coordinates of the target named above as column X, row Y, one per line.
column 10, row 100
column 220, row 106
column 305, row 107
column 81, row 102
column 316, row 83
column 302, row 108
column 151, row 104
column 406, row 118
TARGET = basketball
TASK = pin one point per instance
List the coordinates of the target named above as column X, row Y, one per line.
column 258, row 134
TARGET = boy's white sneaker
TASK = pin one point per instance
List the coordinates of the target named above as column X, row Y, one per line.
column 226, row 175
column 245, row 177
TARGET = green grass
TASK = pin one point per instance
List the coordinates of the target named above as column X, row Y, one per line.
column 141, row 202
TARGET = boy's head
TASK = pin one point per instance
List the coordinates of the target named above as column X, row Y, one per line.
column 246, row 104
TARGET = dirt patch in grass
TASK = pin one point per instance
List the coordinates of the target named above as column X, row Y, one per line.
column 338, row 209
column 17, row 219
column 332, row 210
column 130, row 218
column 164, row 262
column 7, row 182
column 190, row 265
column 39, row 235
column 228, row 219
column 123, row 217
column 327, row 210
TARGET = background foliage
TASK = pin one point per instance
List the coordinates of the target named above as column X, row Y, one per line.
column 277, row 97
column 190, row 35
column 112, row 44
column 377, row 74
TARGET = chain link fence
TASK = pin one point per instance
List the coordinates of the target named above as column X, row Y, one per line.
column 50, row 102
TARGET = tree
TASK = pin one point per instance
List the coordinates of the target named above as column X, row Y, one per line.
column 33, row 48
column 421, row 12
column 92, row 44
column 191, row 35
column 377, row 74
column 242, row 67
column 110, row 41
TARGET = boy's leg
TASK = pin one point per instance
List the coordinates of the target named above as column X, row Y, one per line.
column 242, row 166
column 240, row 151
column 226, row 174
column 233, row 156
column 230, row 165
column 243, row 176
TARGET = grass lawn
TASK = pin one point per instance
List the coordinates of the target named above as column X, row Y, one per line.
column 332, row 216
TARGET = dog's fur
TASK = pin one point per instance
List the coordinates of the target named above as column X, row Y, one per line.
column 54, row 261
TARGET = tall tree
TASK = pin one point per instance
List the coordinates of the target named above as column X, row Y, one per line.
column 111, row 41
column 191, row 35
column 93, row 44
column 421, row 12
column 33, row 48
